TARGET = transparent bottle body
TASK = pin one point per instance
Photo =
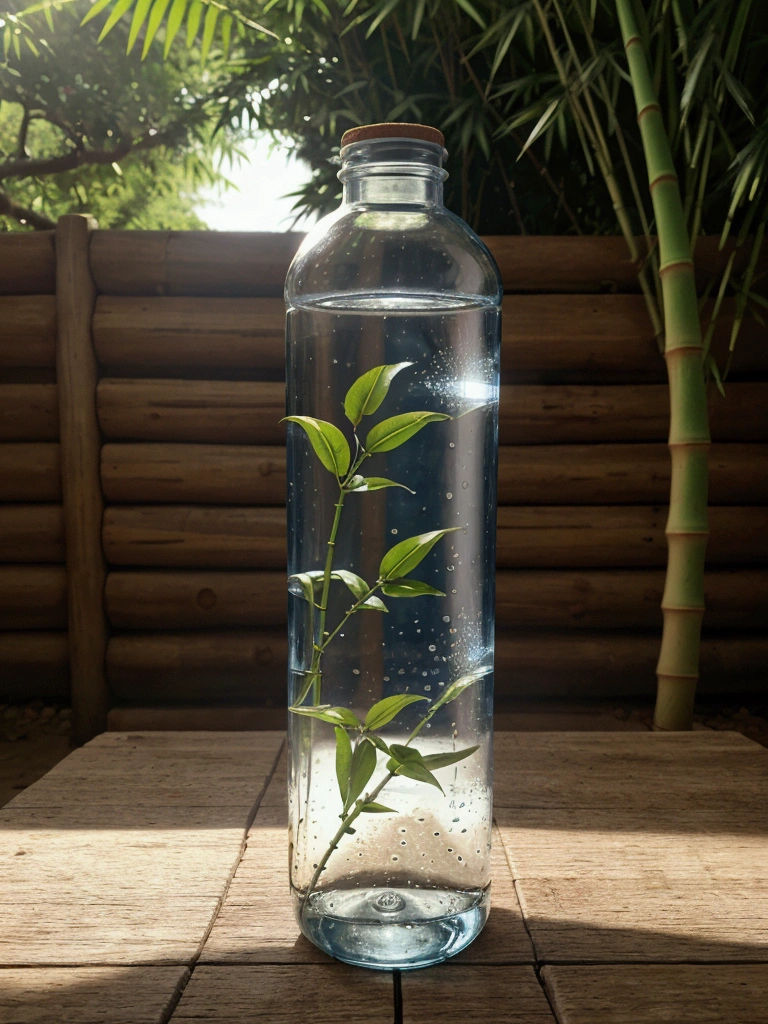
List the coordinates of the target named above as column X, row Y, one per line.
column 411, row 886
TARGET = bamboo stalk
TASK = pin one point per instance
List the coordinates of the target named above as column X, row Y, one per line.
column 687, row 527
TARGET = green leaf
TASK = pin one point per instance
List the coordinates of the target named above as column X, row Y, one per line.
column 175, row 19
column 409, row 588
column 159, row 7
column 193, row 21
column 356, row 583
column 327, row 713
column 328, row 441
column 403, row 753
column 384, row 711
column 397, row 430
column 414, row 770
column 209, row 28
column 374, row 808
column 97, row 8
column 443, row 760
column 467, row 6
column 117, row 12
column 379, row 742
column 343, row 761
column 406, row 555
column 226, row 34
column 301, row 584
column 373, row 604
column 361, row 769
column 361, row 484
column 458, row 687
column 137, row 23
column 369, row 391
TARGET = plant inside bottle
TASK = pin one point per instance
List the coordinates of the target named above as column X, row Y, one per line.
column 358, row 743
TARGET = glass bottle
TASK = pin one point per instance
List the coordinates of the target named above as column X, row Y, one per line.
column 393, row 337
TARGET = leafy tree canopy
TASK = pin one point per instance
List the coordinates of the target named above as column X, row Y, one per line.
column 86, row 127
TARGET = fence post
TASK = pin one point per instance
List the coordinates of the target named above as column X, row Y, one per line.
column 80, row 439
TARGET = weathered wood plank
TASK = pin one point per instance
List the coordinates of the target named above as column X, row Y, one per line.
column 33, row 597
column 219, row 719
column 234, row 412
column 330, row 993
column 538, row 537
column 29, row 412
column 620, row 536
column 631, row 771
column 28, row 338
column 76, row 373
column 30, row 472
column 192, row 262
column 217, row 474
column 247, row 412
column 249, row 666
column 89, row 995
column 27, row 263
column 604, row 474
column 547, row 598
column 109, row 858
column 647, row 994
column 196, row 536
column 237, row 666
column 34, row 666
column 31, row 533
column 474, row 995
column 552, row 339
column 255, row 263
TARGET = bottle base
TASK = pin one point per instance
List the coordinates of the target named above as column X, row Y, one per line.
column 387, row 929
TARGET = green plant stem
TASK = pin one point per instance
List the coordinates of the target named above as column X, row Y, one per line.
column 689, row 442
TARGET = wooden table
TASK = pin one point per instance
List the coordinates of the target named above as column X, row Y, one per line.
column 144, row 880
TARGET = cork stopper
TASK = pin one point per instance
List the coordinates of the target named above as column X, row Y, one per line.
column 392, row 130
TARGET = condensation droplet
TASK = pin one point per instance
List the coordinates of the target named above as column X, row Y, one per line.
column 448, row 495
column 446, row 618
column 432, row 647
column 393, row 531
column 464, row 484
column 355, row 671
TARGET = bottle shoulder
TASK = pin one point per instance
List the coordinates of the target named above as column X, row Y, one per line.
column 402, row 250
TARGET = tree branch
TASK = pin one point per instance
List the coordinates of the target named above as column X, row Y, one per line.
column 21, row 145
column 23, row 215
column 28, row 167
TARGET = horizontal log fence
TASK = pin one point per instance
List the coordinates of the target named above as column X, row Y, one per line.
column 170, row 346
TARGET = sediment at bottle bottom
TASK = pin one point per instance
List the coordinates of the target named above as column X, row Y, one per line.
column 388, row 928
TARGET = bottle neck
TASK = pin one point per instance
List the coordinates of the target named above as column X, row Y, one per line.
column 393, row 172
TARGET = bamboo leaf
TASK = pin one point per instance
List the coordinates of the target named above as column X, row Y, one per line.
column 193, row 21
column 540, row 126
column 403, row 753
column 327, row 713
column 117, row 12
column 374, row 808
column 328, row 441
column 97, row 8
column 397, row 430
column 363, row 484
column 361, row 769
column 405, row 556
column 379, row 742
column 343, row 761
column 356, row 583
column 175, row 20
column 301, row 584
column 226, row 34
column 137, row 22
column 385, row 710
column 373, row 604
column 450, row 693
column 159, row 7
column 383, row 13
column 209, row 29
column 369, row 391
column 416, row 771
column 418, row 16
column 471, row 11
column 410, row 588
column 435, row 761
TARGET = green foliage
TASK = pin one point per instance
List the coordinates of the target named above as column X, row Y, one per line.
column 385, row 710
column 391, row 433
column 87, row 128
column 328, row 442
column 405, row 556
column 369, row 391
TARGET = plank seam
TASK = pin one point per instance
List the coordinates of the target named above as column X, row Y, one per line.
column 175, row 998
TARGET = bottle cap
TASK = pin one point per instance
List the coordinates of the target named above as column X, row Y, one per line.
column 392, row 130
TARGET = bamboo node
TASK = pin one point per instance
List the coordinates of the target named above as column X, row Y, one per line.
column 668, row 176
column 649, row 108
column 673, row 264
column 632, row 41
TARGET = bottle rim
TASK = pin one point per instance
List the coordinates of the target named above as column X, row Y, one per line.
column 392, row 130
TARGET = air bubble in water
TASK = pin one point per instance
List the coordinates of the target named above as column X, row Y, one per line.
column 432, row 647
column 446, row 618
